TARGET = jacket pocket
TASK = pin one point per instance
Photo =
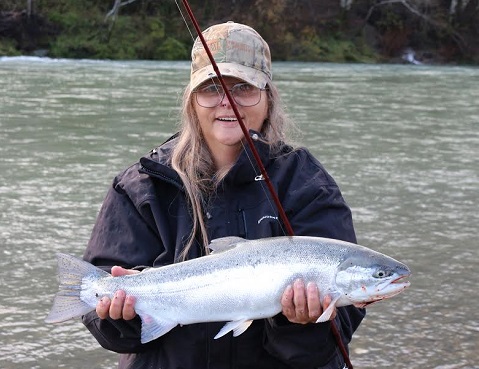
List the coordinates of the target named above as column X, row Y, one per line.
column 258, row 220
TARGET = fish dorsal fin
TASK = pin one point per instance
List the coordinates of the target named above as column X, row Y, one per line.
column 225, row 243
column 237, row 326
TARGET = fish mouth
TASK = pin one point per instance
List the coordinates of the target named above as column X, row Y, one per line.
column 392, row 288
column 385, row 291
column 400, row 281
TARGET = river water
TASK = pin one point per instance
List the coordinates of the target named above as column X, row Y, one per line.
column 401, row 141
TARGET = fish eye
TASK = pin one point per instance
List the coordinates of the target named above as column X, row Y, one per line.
column 381, row 273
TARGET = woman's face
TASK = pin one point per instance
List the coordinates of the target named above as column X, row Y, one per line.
column 219, row 125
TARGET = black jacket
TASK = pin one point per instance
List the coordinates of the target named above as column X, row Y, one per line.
column 144, row 221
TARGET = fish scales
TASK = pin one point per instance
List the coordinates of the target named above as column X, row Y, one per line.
column 240, row 281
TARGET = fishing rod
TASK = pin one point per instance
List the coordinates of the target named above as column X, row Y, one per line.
column 246, row 134
column 258, row 160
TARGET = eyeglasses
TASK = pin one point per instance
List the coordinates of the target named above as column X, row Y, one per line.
column 243, row 94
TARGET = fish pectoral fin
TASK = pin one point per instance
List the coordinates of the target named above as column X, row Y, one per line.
column 237, row 326
column 326, row 315
column 152, row 328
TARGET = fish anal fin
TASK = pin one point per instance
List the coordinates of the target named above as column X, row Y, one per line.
column 326, row 315
column 152, row 328
column 224, row 243
column 237, row 326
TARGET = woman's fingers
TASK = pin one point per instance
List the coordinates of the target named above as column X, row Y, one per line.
column 129, row 308
column 103, row 308
column 287, row 303
column 302, row 304
column 120, row 306
column 326, row 302
column 116, row 306
column 314, row 304
column 118, row 271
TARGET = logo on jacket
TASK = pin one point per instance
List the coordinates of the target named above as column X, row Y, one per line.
column 267, row 217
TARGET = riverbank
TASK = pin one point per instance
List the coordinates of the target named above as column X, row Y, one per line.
column 362, row 34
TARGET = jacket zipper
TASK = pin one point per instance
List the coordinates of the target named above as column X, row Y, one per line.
column 244, row 231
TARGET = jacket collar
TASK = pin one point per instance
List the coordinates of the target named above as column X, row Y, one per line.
column 157, row 163
column 245, row 170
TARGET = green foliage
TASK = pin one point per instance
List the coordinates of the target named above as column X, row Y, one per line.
column 153, row 42
column 127, row 37
column 8, row 48
column 133, row 34
column 307, row 30
column 390, row 20
column 330, row 48
column 172, row 49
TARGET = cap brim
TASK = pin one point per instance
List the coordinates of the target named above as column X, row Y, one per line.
column 252, row 76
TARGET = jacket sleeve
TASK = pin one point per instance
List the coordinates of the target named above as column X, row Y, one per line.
column 315, row 207
column 121, row 236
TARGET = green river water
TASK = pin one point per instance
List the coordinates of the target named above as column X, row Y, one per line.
column 401, row 141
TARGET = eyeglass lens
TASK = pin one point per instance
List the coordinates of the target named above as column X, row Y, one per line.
column 243, row 94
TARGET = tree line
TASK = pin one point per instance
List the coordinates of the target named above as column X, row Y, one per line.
column 308, row 30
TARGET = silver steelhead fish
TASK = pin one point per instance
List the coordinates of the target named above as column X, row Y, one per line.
column 240, row 281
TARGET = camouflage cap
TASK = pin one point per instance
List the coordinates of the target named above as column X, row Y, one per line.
column 238, row 50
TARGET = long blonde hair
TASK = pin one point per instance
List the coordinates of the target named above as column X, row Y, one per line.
column 192, row 160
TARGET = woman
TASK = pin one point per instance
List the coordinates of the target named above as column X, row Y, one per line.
column 201, row 185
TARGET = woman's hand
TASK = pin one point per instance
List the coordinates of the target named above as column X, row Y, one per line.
column 301, row 304
column 121, row 306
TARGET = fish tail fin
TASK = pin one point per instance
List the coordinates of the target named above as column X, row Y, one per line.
column 67, row 303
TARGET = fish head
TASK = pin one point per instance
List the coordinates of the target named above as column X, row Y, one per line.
column 367, row 278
